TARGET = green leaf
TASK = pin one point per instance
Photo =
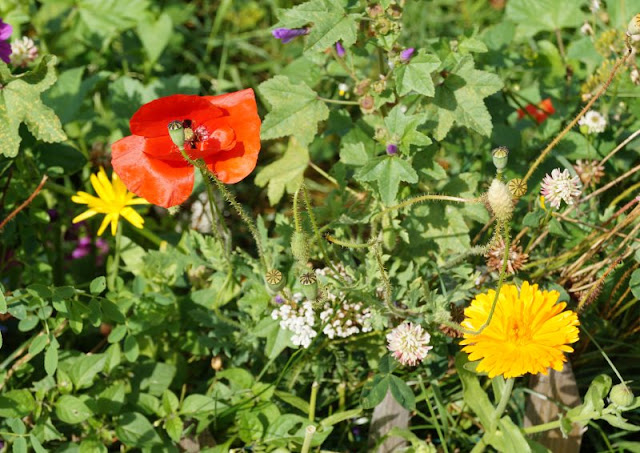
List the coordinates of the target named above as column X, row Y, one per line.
column 200, row 405
column 84, row 370
column 38, row 344
column 634, row 283
column 620, row 422
column 250, row 428
column 98, row 285
column 474, row 396
column 509, row 438
column 293, row 400
column 3, row 301
column 51, row 359
column 117, row 333
column 17, row 403
column 131, row 349
column 134, row 430
column 404, row 129
column 459, row 100
column 291, row 428
column 108, row 17
column 330, row 23
column 533, row 16
column 173, row 425
column 20, row 445
column 285, row 173
column 155, row 35
column 338, row 417
column 416, row 75
column 66, row 95
column 35, row 443
column 374, row 391
column 402, row 393
column 72, row 410
column 295, row 110
column 388, row 172
column 20, row 103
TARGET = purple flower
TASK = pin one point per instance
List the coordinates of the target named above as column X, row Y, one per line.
column 392, row 149
column 406, row 54
column 278, row 299
column 287, row 34
column 340, row 49
column 5, row 47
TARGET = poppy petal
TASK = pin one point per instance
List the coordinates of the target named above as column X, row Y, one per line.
column 234, row 165
column 152, row 119
column 163, row 183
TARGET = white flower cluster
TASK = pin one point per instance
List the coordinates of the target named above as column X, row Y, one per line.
column 560, row 185
column 299, row 318
column 349, row 319
column 594, row 121
column 201, row 215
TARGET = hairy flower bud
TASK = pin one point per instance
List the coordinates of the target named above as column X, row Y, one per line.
column 500, row 200
column 300, row 247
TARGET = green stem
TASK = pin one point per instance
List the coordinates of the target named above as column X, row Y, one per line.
column 352, row 245
column 604, row 354
column 336, row 101
column 115, row 264
column 503, row 272
column 312, row 401
column 502, row 404
column 296, row 211
column 387, row 284
column 308, row 437
column 217, row 221
column 427, row 197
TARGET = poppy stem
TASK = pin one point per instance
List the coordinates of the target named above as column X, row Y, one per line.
column 115, row 264
column 230, row 197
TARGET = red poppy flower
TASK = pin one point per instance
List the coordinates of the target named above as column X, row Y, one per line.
column 539, row 112
column 223, row 130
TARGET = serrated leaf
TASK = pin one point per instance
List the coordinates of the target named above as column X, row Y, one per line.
column 533, row 16
column 285, row 173
column 388, row 172
column 404, row 129
column 330, row 23
column 20, row 103
column 295, row 110
column 459, row 100
column 416, row 75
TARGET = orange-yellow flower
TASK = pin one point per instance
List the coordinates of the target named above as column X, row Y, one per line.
column 528, row 333
column 113, row 199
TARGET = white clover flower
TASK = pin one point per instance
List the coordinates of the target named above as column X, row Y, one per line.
column 409, row 343
column 23, row 51
column 594, row 121
column 560, row 185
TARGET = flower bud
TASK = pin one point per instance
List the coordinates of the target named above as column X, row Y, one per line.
column 500, row 200
column 634, row 26
column 367, row 105
column 309, row 282
column 300, row 247
column 275, row 280
column 176, row 132
column 621, row 395
column 500, row 157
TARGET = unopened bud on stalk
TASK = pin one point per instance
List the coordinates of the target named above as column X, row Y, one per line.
column 300, row 247
column 500, row 200
column 176, row 132
column 500, row 157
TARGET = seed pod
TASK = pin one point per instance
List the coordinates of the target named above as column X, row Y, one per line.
column 500, row 157
column 517, row 187
column 176, row 132
column 621, row 395
column 300, row 247
column 309, row 282
column 634, row 26
column 275, row 280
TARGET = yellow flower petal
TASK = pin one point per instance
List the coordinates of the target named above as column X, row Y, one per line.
column 104, row 224
column 528, row 333
column 84, row 216
column 133, row 217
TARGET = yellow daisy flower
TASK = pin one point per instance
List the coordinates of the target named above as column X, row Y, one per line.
column 528, row 333
column 113, row 199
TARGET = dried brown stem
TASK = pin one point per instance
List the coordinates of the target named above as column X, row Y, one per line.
column 25, row 203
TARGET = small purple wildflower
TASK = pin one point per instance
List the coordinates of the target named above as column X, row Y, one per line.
column 287, row 34
column 278, row 299
column 340, row 49
column 392, row 149
column 406, row 54
column 5, row 47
